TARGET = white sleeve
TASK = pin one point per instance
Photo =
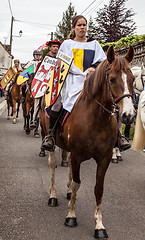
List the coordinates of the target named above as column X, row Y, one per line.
column 99, row 53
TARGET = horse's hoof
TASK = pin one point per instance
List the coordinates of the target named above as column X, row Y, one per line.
column 52, row 202
column 8, row 117
column 28, row 131
column 119, row 158
column 68, row 196
column 42, row 154
column 64, row 164
column 100, row 233
column 114, row 160
column 71, row 222
column 14, row 121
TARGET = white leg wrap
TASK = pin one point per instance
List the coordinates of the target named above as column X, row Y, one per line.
column 98, row 218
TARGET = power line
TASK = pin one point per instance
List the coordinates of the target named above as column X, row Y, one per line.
column 88, row 6
column 10, row 7
column 94, row 8
column 36, row 24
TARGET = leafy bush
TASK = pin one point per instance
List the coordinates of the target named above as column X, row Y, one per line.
column 123, row 42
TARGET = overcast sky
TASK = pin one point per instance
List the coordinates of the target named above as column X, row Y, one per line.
column 38, row 18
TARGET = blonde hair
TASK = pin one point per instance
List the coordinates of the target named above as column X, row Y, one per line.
column 74, row 22
column 17, row 60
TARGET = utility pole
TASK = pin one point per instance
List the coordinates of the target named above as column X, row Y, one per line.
column 51, row 35
column 11, row 33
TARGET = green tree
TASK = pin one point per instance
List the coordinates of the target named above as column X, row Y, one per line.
column 64, row 27
column 90, row 31
column 114, row 21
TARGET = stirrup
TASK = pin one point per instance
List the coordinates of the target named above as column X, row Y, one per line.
column 47, row 146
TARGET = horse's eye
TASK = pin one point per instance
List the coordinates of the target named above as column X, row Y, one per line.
column 113, row 80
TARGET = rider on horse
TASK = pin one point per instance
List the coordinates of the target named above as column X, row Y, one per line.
column 53, row 49
column 16, row 69
column 87, row 54
column 34, row 62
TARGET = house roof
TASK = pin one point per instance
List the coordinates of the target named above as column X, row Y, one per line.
column 6, row 50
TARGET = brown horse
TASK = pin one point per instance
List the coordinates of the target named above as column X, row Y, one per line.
column 91, row 129
column 28, row 106
column 14, row 97
column 44, row 124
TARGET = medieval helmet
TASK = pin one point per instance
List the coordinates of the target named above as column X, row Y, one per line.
column 36, row 52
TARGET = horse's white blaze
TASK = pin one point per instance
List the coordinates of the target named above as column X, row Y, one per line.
column 71, row 204
column 127, row 101
column 98, row 218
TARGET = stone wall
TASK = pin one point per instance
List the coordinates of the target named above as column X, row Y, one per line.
column 139, row 50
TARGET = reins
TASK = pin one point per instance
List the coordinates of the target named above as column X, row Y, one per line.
column 114, row 102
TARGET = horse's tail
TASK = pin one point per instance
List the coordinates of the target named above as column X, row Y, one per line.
column 139, row 135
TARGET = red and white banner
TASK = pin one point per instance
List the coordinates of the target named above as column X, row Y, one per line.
column 41, row 79
column 42, row 47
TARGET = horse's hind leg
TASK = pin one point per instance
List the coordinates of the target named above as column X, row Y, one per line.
column 103, row 164
column 52, row 202
column 70, row 220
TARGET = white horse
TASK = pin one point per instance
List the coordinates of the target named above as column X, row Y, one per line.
column 139, row 135
column 139, row 83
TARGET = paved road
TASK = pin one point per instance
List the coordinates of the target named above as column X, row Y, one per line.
column 24, row 191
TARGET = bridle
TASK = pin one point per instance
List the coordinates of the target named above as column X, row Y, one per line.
column 114, row 102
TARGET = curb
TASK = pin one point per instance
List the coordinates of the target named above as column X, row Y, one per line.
column 3, row 106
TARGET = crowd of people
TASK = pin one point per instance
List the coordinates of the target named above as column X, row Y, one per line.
column 87, row 54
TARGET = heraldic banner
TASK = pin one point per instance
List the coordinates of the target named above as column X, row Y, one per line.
column 24, row 76
column 42, row 76
column 57, row 78
column 7, row 77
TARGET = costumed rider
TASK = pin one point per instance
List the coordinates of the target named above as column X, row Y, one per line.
column 36, row 59
column 87, row 53
column 122, row 143
column 53, row 49
column 16, row 69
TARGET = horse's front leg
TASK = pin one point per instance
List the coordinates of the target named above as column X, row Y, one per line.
column 52, row 202
column 64, row 162
column 28, row 131
column 14, row 111
column 69, row 184
column 8, row 107
column 71, row 220
column 100, row 231
column 18, row 107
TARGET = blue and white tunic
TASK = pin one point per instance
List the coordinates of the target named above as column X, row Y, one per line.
column 84, row 54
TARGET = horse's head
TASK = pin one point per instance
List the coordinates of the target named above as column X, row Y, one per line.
column 120, row 81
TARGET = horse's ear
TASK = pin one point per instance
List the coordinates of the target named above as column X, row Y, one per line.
column 110, row 54
column 130, row 54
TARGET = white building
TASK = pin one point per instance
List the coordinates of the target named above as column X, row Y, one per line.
column 5, row 59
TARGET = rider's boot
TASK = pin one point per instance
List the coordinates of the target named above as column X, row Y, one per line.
column 49, row 141
column 123, row 142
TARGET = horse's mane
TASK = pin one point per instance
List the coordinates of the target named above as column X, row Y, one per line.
column 94, row 83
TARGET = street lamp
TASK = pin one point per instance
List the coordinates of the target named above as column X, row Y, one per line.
column 20, row 34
